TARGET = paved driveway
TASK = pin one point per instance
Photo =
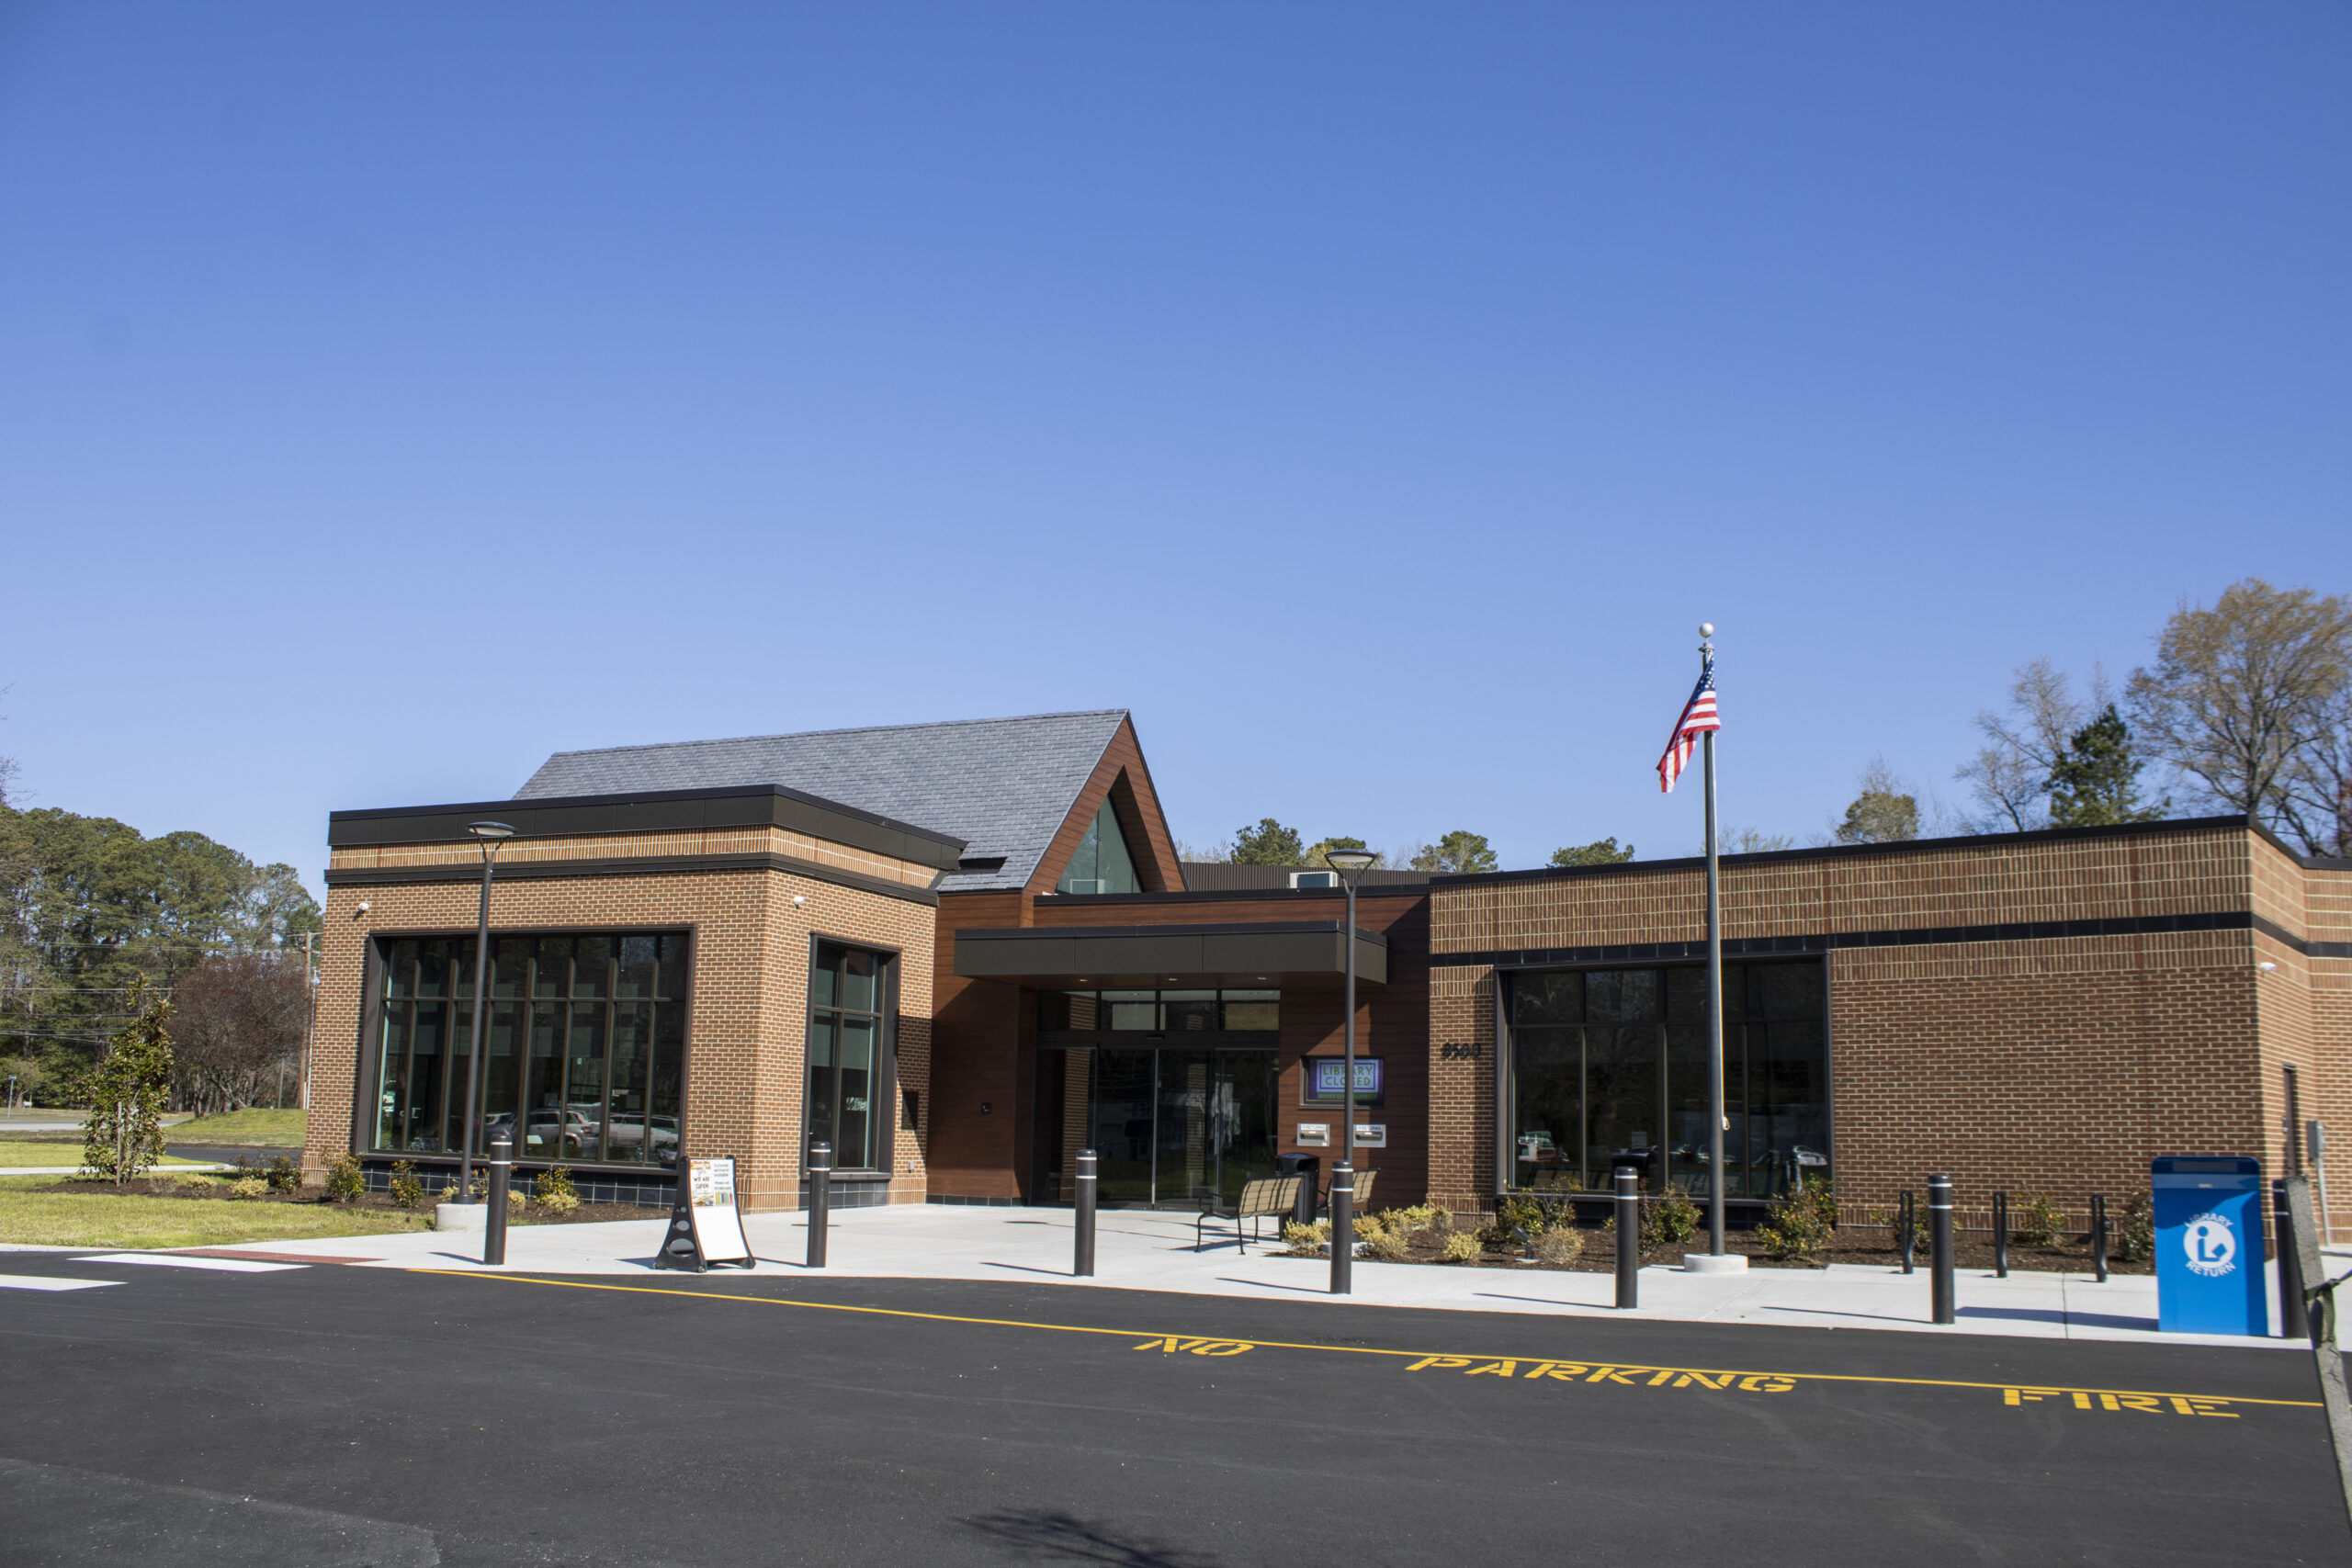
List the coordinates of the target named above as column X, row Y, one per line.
column 194, row 1410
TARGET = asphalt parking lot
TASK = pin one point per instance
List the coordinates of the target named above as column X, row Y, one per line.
column 342, row 1417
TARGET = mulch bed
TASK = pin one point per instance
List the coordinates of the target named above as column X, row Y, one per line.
column 1869, row 1245
column 213, row 1191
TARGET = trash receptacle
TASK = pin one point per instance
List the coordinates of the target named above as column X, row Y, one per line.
column 2208, row 1246
column 1308, row 1168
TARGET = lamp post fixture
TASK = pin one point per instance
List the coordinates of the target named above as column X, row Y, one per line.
column 1350, row 864
column 491, row 835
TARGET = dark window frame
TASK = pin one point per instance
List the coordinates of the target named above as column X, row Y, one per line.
column 367, row 1076
column 1505, row 997
column 883, row 1106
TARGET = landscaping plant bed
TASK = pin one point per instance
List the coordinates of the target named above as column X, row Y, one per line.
column 1868, row 1246
column 214, row 1190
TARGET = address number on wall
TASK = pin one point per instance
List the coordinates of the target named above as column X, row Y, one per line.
column 1455, row 1052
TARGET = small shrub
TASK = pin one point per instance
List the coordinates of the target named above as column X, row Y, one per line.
column 1669, row 1220
column 1416, row 1217
column 1523, row 1213
column 284, row 1175
column 514, row 1202
column 345, row 1181
column 1461, row 1246
column 2038, row 1224
column 1306, row 1241
column 1803, row 1223
column 1560, row 1245
column 554, row 1193
column 406, row 1189
column 248, row 1187
column 2136, row 1232
column 456, row 1191
column 1387, row 1246
column 1365, row 1228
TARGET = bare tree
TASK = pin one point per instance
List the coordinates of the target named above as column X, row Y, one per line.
column 237, row 1023
column 2235, row 693
column 2010, row 775
column 2315, row 795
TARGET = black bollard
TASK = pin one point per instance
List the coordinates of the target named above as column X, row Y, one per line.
column 2000, row 1235
column 1343, row 1227
column 1629, row 1237
column 2294, row 1316
column 1940, row 1274
column 1084, row 1266
column 1906, row 1227
column 2098, row 1236
column 501, row 1167
column 821, row 1200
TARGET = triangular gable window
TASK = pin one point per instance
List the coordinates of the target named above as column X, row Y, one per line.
column 1102, row 863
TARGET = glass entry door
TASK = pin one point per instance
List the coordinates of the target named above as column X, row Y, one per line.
column 1180, row 1125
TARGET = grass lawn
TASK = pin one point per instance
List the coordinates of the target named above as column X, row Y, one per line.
column 19, row 1152
column 282, row 1128
column 32, row 1214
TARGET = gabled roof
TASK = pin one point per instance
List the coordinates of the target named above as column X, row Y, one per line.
column 1003, row 785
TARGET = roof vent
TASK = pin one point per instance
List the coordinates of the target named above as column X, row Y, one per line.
column 1314, row 879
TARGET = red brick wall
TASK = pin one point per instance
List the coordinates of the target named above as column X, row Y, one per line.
column 2056, row 1065
column 747, row 1043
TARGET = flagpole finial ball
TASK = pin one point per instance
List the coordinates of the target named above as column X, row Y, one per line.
column 1706, row 628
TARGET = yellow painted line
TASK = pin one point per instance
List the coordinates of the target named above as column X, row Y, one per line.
column 1247, row 1342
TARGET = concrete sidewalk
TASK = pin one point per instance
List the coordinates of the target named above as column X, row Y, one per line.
column 1148, row 1250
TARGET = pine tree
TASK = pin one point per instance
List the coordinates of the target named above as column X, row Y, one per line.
column 2095, row 782
column 1601, row 851
column 1269, row 844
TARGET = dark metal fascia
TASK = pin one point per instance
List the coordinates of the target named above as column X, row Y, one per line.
column 651, row 811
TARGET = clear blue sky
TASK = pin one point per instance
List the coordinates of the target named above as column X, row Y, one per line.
column 1372, row 398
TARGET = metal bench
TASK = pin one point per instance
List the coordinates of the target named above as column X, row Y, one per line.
column 1363, row 1193
column 1271, row 1197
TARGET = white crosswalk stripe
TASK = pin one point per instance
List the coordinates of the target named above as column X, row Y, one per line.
column 49, row 1282
column 180, row 1260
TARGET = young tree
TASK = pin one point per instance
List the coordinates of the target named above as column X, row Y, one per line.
column 1459, row 851
column 1749, row 842
column 1601, row 851
column 124, row 1133
column 1269, row 844
column 2235, row 691
column 2096, row 780
column 1883, row 813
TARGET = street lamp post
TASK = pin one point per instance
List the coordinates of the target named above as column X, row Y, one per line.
column 1350, row 864
column 491, row 835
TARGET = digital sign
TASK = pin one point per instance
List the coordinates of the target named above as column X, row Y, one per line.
column 1327, row 1077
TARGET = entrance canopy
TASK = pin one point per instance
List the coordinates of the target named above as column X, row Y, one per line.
column 1297, row 955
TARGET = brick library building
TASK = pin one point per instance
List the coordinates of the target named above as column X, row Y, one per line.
column 959, row 954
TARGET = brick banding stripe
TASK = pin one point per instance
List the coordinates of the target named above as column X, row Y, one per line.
column 1917, row 936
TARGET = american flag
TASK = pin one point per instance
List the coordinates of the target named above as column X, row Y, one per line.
column 1698, row 716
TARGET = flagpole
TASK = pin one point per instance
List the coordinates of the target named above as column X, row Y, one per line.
column 1714, row 986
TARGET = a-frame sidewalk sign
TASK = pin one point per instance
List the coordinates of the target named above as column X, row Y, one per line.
column 706, row 1226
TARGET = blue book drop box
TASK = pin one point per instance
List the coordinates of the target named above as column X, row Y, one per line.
column 2208, row 1246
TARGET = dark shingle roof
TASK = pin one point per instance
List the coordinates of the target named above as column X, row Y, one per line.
column 1004, row 785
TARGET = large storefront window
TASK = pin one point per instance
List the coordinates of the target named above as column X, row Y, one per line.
column 846, row 1002
column 1609, row 1067
column 583, row 1052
